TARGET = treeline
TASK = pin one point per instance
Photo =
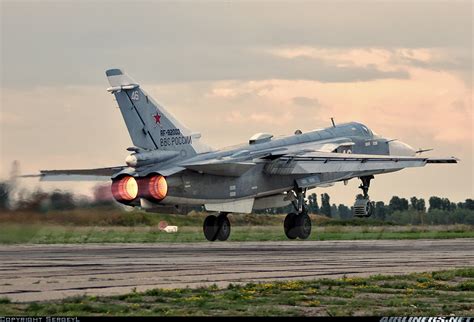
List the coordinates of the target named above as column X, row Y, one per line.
column 41, row 201
column 58, row 200
column 415, row 211
column 438, row 211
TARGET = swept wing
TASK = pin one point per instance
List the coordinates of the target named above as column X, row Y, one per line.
column 98, row 174
column 322, row 162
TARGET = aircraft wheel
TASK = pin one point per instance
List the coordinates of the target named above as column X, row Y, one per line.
column 363, row 207
column 303, row 225
column 223, row 225
column 370, row 208
column 289, row 226
column 210, row 228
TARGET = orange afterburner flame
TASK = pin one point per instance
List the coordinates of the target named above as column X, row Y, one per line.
column 157, row 187
column 125, row 189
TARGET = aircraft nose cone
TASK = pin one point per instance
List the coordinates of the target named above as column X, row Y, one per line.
column 401, row 149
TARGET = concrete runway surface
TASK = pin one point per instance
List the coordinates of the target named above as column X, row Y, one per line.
column 45, row 272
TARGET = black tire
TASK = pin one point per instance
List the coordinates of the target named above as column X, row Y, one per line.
column 303, row 226
column 210, row 228
column 370, row 208
column 289, row 226
column 223, row 230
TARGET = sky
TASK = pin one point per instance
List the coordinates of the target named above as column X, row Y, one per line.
column 232, row 69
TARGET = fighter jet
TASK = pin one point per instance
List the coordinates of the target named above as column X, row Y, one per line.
column 171, row 169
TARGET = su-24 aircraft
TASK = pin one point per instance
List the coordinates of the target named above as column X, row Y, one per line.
column 170, row 169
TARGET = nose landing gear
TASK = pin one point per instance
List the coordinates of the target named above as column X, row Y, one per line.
column 363, row 207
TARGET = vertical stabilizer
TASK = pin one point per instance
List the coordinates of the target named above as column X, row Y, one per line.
column 150, row 126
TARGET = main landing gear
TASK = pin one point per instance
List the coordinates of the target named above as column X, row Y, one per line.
column 298, row 225
column 363, row 207
column 216, row 227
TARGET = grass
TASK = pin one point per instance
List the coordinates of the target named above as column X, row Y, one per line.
column 110, row 225
column 53, row 234
column 4, row 300
column 117, row 217
column 420, row 294
column 107, row 216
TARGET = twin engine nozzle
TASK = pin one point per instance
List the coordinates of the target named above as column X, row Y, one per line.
column 126, row 189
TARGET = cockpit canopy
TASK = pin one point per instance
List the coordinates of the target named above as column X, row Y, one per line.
column 354, row 129
column 366, row 130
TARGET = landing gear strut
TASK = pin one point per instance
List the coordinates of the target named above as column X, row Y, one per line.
column 298, row 225
column 363, row 207
column 216, row 227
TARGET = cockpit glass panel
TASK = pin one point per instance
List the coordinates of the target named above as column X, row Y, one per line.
column 366, row 130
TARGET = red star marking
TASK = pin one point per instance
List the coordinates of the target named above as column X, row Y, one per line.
column 157, row 118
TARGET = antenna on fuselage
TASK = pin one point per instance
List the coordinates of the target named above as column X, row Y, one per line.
column 420, row 150
column 332, row 121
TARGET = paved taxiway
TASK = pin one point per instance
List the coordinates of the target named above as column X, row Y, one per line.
column 44, row 272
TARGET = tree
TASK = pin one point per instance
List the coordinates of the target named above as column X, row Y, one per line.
column 380, row 211
column 61, row 200
column 36, row 201
column 447, row 205
column 4, row 195
column 325, row 205
column 398, row 204
column 469, row 204
column 344, row 211
column 313, row 207
column 435, row 203
column 417, row 204
column 334, row 212
column 441, row 203
column 414, row 202
column 421, row 205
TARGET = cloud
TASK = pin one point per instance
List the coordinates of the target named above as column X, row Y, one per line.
column 384, row 60
column 306, row 101
column 342, row 57
column 436, row 104
column 182, row 42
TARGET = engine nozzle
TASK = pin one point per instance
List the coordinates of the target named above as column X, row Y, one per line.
column 153, row 188
column 125, row 189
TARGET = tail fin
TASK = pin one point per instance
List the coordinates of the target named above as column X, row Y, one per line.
column 150, row 126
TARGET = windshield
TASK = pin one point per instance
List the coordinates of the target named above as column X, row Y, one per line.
column 366, row 130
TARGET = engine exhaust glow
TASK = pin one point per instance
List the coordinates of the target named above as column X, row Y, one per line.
column 157, row 187
column 125, row 189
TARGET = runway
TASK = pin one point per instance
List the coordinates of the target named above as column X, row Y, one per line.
column 45, row 272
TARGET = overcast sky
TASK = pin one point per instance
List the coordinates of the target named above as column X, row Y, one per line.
column 232, row 69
